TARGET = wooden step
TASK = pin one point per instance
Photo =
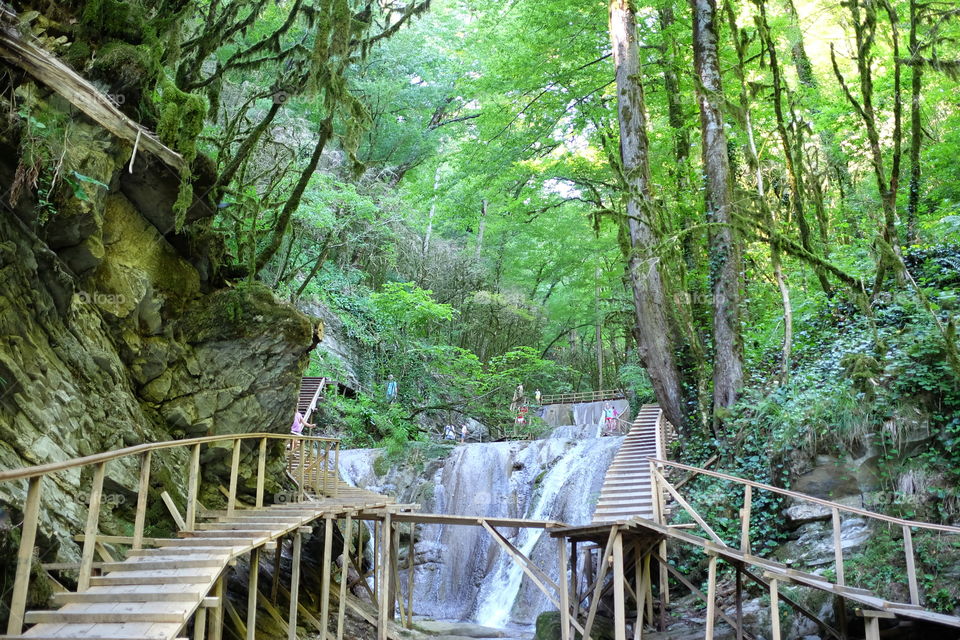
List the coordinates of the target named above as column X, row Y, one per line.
column 81, row 617
column 156, row 577
column 161, row 563
column 179, row 550
column 114, row 594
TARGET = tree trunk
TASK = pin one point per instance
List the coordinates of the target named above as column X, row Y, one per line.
column 724, row 248
column 793, row 161
column 655, row 343
column 293, row 202
column 916, row 127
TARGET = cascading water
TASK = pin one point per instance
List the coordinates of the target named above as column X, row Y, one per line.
column 461, row 573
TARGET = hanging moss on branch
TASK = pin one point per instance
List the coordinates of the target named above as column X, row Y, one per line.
column 181, row 120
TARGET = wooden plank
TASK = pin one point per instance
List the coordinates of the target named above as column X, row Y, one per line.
column 143, row 492
column 745, row 519
column 200, row 624
column 564, row 590
column 774, row 609
column 325, row 575
column 28, row 536
column 215, row 618
column 90, row 530
column 911, row 566
column 686, row 507
column 294, row 586
column 234, row 476
column 174, row 512
column 619, row 606
column 711, row 597
column 344, row 566
column 837, row 547
column 411, row 555
column 261, row 471
column 193, row 482
column 383, row 588
column 640, row 594
column 252, row 589
column 601, row 573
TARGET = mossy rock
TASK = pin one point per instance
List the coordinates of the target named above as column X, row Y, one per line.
column 130, row 70
column 115, row 19
column 243, row 312
column 548, row 627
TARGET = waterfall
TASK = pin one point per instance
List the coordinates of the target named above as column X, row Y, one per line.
column 461, row 573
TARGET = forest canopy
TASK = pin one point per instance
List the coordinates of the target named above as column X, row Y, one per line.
column 710, row 204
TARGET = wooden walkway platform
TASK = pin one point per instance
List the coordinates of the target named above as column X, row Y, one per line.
column 627, row 490
column 154, row 592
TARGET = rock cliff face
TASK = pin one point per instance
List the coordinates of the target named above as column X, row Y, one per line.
column 114, row 333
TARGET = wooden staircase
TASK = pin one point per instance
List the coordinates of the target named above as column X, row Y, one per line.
column 626, row 491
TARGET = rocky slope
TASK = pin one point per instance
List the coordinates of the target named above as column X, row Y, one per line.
column 116, row 331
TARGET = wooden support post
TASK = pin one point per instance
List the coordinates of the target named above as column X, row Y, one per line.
column 640, row 593
column 664, row 586
column 216, row 613
column 598, row 585
column 648, row 588
column 377, row 527
column 28, row 537
column 277, row 557
column 252, row 587
column 261, row 471
column 411, row 556
column 295, row 582
column 234, row 476
column 619, row 605
column 394, row 572
column 564, row 589
column 654, row 494
column 143, row 491
column 303, row 470
column 344, row 565
column 911, row 565
column 745, row 519
column 90, row 531
column 774, row 609
column 574, row 582
column 325, row 576
column 336, row 469
column 193, row 487
column 711, row 597
column 200, row 623
column 385, row 601
column 738, row 599
column 871, row 622
column 837, row 549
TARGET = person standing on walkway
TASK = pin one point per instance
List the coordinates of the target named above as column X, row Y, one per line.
column 391, row 389
column 463, row 434
column 536, row 396
column 609, row 419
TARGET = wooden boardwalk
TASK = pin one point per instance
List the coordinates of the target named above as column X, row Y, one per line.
column 154, row 592
column 626, row 490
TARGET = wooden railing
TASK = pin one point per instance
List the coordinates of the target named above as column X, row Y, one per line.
column 583, row 396
column 35, row 476
column 836, row 511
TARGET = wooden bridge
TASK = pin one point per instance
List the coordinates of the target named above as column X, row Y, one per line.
column 632, row 529
column 170, row 587
column 582, row 396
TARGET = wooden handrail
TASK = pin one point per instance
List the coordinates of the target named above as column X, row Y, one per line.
column 583, row 396
column 34, row 476
column 107, row 456
column 801, row 496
